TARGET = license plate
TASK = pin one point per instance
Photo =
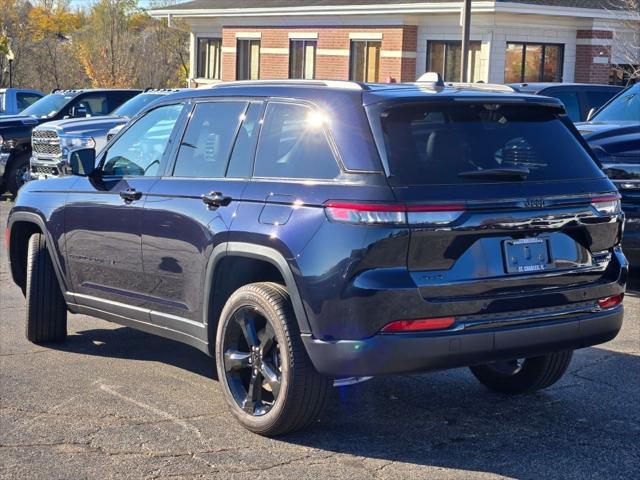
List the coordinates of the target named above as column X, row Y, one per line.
column 526, row 255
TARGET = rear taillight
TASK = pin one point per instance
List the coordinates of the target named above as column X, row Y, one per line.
column 609, row 205
column 610, row 302
column 380, row 214
column 419, row 325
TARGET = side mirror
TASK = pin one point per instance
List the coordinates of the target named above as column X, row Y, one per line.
column 82, row 162
column 590, row 115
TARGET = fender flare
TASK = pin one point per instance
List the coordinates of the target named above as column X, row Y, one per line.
column 259, row 252
column 34, row 218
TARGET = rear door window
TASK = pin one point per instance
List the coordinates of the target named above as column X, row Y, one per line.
column 571, row 103
column 293, row 144
column 241, row 163
column 595, row 99
column 206, row 145
column 441, row 144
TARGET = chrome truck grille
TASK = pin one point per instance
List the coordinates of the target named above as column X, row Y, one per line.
column 45, row 143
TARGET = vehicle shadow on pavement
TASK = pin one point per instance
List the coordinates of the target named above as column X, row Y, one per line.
column 447, row 419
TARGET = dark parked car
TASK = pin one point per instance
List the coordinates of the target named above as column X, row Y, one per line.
column 578, row 98
column 302, row 232
column 614, row 135
column 53, row 141
column 15, row 131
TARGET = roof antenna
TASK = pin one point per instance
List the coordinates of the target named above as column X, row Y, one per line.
column 431, row 77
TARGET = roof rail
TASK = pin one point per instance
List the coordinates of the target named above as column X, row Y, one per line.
column 151, row 89
column 483, row 86
column 344, row 84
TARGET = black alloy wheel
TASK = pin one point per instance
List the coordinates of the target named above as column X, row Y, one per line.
column 252, row 362
column 266, row 376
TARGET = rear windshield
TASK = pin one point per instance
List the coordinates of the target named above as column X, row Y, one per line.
column 447, row 144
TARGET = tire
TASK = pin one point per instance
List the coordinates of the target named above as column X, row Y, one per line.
column 258, row 315
column 45, row 305
column 15, row 172
column 531, row 374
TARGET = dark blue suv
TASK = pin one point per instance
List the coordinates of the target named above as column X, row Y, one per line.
column 306, row 232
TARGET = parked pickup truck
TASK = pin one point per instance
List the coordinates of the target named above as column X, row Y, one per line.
column 614, row 135
column 15, row 131
column 52, row 142
column 15, row 100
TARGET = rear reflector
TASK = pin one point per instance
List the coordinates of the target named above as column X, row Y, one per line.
column 608, row 205
column 610, row 302
column 418, row 325
column 376, row 213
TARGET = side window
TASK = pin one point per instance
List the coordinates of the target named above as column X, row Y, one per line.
column 140, row 149
column 596, row 99
column 205, row 147
column 92, row 105
column 117, row 98
column 293, row 144
column 24, row 99
column 571, row 103
column 241, row 162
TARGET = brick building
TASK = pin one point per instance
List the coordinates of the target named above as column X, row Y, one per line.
column 398, row 40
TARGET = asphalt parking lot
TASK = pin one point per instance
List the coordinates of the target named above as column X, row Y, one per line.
column 115, row 403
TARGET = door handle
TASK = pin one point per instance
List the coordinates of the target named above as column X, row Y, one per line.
column 130, row 195
column 216, row 199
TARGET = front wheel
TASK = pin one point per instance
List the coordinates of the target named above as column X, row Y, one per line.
column 523, row 375
column 17, row 174
column 266, row 376
column 45, row 306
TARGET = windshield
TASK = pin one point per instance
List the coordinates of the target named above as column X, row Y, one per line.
column 131, row 107
column 48, row 106
column 624, row 108
column 1, row 101
column 471, row 143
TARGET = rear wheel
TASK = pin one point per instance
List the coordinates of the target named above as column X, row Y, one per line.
column 17, row 174
column 46, row 308
column 523, row 375
column 267, row 378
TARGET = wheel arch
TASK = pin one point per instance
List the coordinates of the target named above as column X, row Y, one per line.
column 21, row 226
column 265, row 263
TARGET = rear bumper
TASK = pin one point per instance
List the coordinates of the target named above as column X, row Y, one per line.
column 412, row 352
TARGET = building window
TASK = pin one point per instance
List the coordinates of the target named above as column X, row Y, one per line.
column 248, row 60
column 446, row 59
column 302, row 59
column 209, row 58
column 365, row 61
column 533, row 62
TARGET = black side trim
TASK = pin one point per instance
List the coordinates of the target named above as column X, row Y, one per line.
column 39, row 221
column 259, row 252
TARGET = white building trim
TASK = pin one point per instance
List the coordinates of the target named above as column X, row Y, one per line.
column 274, row 51
column 303, row 35
column 248, row 35
column 365, row 36
column 333, row 52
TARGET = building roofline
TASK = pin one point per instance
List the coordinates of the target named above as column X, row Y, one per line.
column 483, row 6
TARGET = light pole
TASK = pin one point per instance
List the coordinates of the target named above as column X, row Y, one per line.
column 10, row 58
column 466, row 27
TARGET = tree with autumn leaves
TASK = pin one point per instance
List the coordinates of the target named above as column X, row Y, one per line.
column 111, row 44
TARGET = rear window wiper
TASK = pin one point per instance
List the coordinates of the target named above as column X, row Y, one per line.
column 520, row 173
